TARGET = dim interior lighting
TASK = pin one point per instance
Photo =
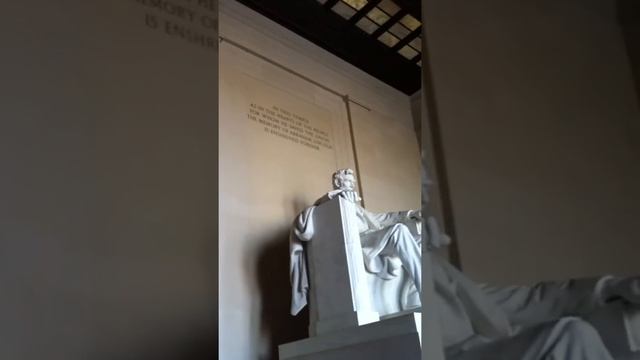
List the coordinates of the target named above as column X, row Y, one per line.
column 400, row 33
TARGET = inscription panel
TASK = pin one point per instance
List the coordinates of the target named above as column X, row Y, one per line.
column 290, row 126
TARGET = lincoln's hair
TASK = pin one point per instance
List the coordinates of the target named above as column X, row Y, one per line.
column 339, row 177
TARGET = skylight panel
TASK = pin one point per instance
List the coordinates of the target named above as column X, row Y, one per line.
column 408, row 52
column 356, row 4
column 378, row 16
column 388, row 39
column 399, row 30
column 410, row 22
column 416, row 43
column 343, row 10
column 389, row 7
column 367, row 25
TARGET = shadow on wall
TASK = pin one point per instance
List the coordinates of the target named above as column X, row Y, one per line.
column 629, row 18
column 173, row 349
column 276, row 323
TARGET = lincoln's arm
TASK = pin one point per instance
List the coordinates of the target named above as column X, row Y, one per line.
column 527, row 305
column 394, row 217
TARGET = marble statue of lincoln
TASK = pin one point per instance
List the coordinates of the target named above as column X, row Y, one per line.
column 577, row 319
column 391, row 241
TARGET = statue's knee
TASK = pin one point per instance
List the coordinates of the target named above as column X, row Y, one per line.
column 400, row 232
column 580, row 329
column 401, row 229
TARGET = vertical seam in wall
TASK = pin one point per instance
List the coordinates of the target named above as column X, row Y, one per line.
column 354, row 148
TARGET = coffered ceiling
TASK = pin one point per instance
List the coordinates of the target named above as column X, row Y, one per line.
column 381, row 37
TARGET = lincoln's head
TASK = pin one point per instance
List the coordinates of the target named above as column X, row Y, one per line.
column 344, row 179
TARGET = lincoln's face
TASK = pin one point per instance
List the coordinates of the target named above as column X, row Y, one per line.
column 348, row 182
column 344, row 180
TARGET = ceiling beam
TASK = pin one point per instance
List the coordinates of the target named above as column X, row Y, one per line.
column 389, row 23
column 330, row 3
column 407, row 39
column 413, row 7
column 364, row 11
column 309, row 19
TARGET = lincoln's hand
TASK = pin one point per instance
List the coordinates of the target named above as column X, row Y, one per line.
column 627, row 289
column 415, row 215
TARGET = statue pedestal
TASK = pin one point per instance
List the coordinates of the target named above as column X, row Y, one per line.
column 394, row 337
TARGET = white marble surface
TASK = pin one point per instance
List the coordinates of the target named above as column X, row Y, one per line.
column 396, row 337
column 360, row 264
column 340, row 295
